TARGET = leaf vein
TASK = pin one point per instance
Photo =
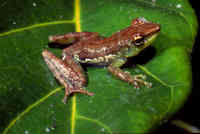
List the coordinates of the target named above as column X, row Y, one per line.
column 171, row 87
column 95, row 121
column 154, row 76
column 29, row 108
column 36, row 26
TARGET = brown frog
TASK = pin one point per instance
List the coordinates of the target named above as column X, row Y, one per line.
column 90, row 47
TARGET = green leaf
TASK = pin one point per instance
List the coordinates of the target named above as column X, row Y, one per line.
column 30, row 97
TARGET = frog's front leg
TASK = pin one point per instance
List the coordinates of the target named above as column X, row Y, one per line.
column 73, row 37
column 67, row 72
column 135, row 80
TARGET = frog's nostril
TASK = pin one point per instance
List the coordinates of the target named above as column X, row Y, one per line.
column 51, row 39
column 157, row 27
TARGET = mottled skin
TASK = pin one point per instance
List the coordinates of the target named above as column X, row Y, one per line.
column 89, row 47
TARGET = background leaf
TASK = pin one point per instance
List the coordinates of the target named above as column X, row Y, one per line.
column 31, row 97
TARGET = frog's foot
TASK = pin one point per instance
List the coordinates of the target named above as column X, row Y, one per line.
column 70, row 91
column 138, row 80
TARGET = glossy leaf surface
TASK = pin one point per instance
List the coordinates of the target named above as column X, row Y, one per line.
column 30, row 97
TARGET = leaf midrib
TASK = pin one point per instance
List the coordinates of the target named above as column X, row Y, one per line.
column 78, row 29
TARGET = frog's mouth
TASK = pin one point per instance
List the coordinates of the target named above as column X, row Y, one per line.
column 143, row 43
column 149, row 39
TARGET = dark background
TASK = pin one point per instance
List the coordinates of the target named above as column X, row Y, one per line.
column 190, row 113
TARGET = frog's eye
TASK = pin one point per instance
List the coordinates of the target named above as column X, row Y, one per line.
column 138, row 40
column 137, row 37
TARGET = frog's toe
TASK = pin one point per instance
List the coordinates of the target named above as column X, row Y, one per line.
column 139, row 80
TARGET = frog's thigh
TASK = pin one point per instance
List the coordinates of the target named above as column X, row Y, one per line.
column 75, row 66
column 65, row 71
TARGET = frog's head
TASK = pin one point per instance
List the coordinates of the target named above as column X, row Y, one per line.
column 144, row 33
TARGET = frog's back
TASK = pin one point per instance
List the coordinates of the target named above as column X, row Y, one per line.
column 105, row 50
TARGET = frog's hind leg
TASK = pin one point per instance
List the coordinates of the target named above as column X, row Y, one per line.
column 73, row 37
column 67, row 72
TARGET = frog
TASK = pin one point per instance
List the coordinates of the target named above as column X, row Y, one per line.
column 91, row 48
